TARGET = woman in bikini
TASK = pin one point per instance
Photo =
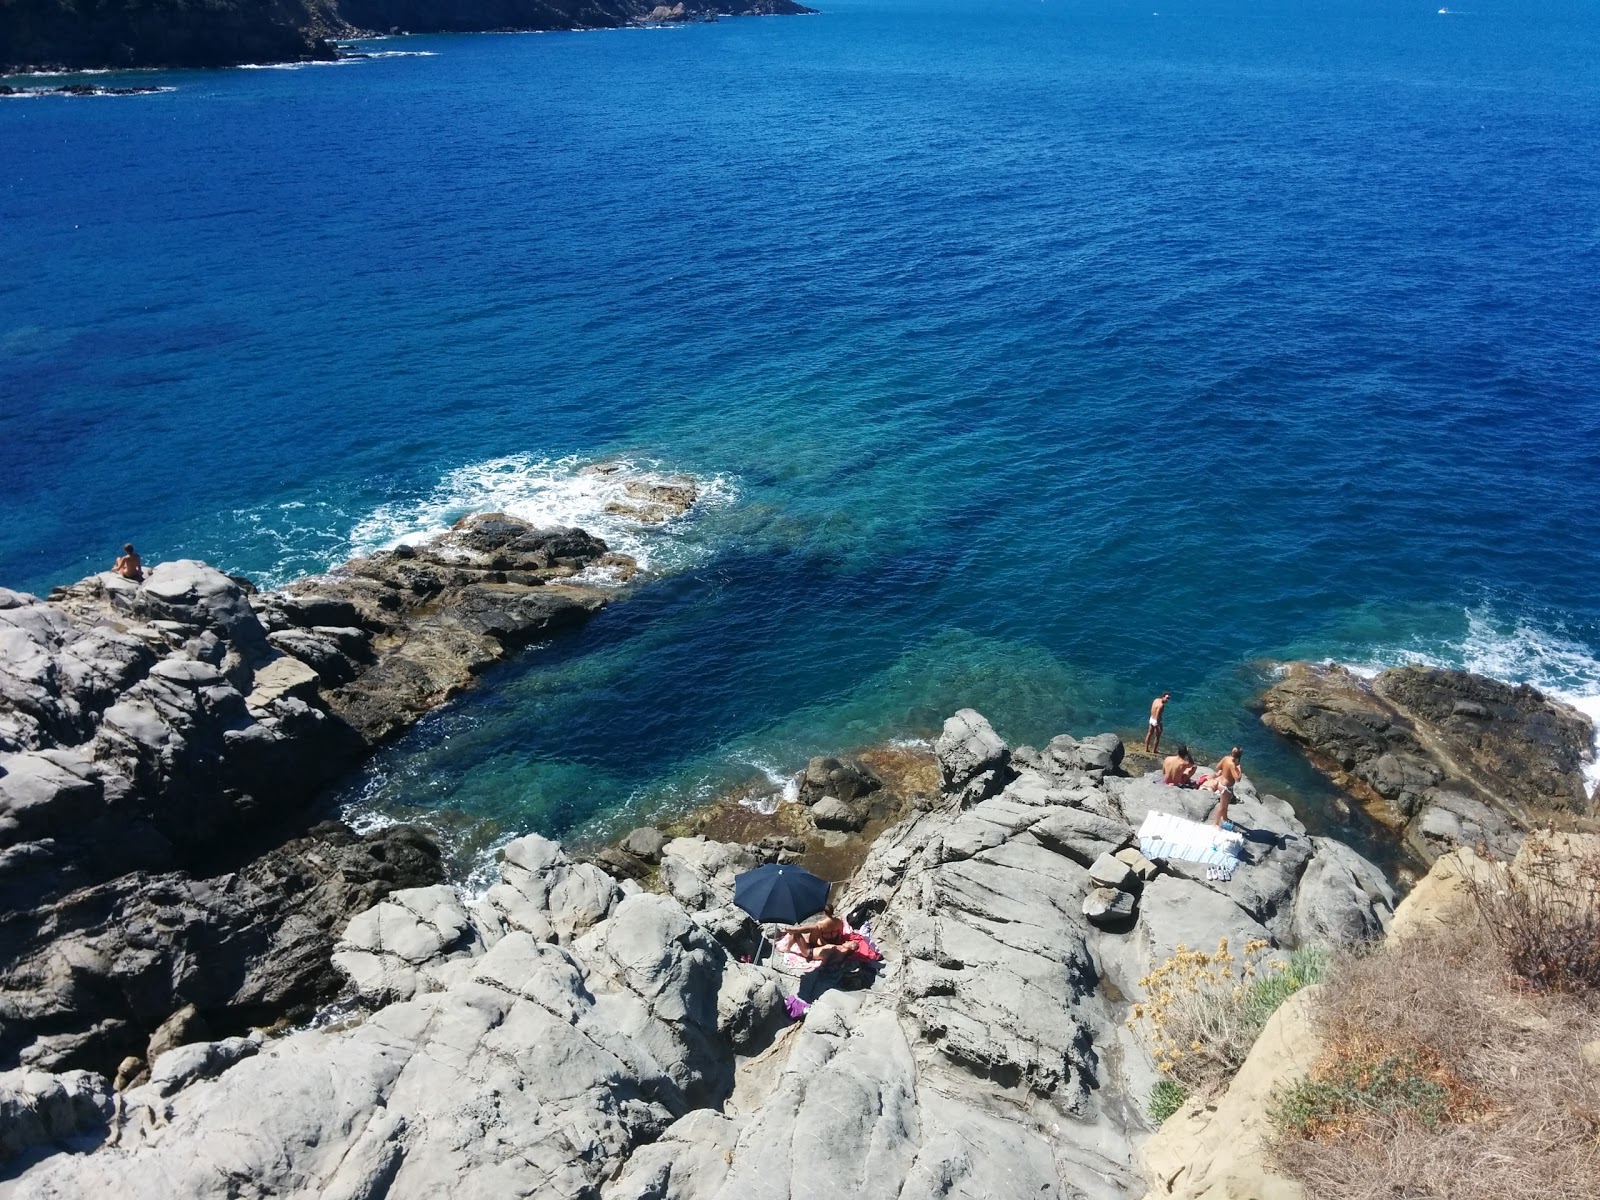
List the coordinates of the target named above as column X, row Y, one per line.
column 821, row 940
column 1227, row 774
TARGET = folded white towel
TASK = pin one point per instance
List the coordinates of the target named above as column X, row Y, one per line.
column 1163, row 835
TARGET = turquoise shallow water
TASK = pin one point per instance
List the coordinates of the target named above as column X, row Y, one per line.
column 1037, row 356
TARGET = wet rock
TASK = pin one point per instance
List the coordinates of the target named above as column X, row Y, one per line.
column 832, row 813
column 844, row 779
column 645, row 843
column 1440, row 755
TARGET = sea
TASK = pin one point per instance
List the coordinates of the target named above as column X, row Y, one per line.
column 1036, row 356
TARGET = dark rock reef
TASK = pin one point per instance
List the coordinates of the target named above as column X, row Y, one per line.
column 159, row 742
column 1446, row 758
column 80, row 34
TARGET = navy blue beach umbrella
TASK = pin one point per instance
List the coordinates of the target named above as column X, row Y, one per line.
column 776, row 892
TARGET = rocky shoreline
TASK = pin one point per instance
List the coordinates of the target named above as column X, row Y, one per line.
column 162, row 745
column 591, row 1027
column 55, row 36
column 1443, row 758
column 578, row 1035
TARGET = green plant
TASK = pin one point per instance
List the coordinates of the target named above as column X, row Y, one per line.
column 1166, row 1098
column 1352, row 1092
column 1307, row 965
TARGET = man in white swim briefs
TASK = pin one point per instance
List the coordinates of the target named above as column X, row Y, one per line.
column 1152, row 736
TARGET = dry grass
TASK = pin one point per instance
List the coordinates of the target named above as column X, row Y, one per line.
column 1446, row 1075
column 1545, row 914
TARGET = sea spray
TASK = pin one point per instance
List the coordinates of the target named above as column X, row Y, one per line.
column 1517, row 651
column 551, row 491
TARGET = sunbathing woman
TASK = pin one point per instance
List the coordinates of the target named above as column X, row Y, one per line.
column 822, row 940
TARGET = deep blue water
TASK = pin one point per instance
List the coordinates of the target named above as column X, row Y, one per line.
column 1040, row 356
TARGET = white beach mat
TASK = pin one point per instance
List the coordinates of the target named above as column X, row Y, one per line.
column 1163, row 835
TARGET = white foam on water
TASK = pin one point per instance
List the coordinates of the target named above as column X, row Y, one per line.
column 100, row 93
column 785, row 789
column 550, row 491
column 1514, row 652
column 296, row 66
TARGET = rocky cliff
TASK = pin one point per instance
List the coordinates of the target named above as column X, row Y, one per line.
column 161, row 743
column 573, row 1036
column 80, row 34
column 1445, row 758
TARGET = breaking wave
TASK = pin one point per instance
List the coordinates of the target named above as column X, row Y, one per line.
column 1517, row 651
column 552, row 491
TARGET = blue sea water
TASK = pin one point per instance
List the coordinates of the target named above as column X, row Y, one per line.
column 1037, row 356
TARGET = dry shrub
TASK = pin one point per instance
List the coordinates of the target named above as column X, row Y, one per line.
column 1544, row 912
column 1444, row 1076
column 1204, row 1010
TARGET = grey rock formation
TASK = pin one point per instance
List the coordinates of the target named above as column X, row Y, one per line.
column 182, row 1027
column 394, row 635
column 40, row 1109
column 151, row 732
column 88, row 978
column 1446, row 757
column 830, row 812
column 1107, row 906
column 646, row 843
column 573, row 1038
column 533, row 1069
column 1342, row 899
column 973, row 761
column 1108, row 871
column 843, row 778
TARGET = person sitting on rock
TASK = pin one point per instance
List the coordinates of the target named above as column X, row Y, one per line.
column 822, row 940
column 129, row 566
column 1178, row 768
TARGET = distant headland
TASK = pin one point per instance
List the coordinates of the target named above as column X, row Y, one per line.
column 41, row 35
